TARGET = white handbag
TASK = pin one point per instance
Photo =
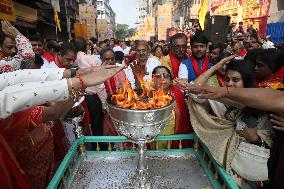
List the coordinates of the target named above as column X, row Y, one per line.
column 250, row 162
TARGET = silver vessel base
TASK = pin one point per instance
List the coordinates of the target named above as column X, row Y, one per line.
column 174, row 170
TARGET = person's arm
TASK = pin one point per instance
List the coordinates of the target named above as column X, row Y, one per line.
column 30, row 75
column 251, row 97
column 24, row 95
column 25, row 50
column 202, row 79
column 57, row 110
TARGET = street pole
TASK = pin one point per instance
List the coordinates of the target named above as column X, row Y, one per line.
column 68, row 22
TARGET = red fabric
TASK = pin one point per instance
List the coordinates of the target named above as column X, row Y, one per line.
column 175, row 64
column 182, row 124
column 12, row 177
column 87, row 120
column 31, row 143
column 59, row 141
column 48, row 56
column 220, row 78
column 205, row 65
column 243, row 53
column 110, row 85
column 274, row 78
column 58, row 63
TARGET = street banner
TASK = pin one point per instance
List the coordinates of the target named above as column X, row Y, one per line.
column 202, row 13
column 164, row 20
column 81, row 30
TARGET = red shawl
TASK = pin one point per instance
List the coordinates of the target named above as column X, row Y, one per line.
column 58, row 63
column 271, row 81
column 182, row 119
column 220, row 78
column 48, row 56
column 195, row 65
column 175, row 64
column 115, row 82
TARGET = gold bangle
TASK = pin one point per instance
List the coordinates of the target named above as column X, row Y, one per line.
column 75, row 94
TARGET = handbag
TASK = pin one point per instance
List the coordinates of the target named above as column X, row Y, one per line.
column 250, row 162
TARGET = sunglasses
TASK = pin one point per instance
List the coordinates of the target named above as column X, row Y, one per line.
column 163, row 75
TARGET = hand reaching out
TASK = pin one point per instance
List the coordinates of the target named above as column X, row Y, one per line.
column 9, row 30
column 278, row 121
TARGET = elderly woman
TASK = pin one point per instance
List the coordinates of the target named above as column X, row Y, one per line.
column 162, row 78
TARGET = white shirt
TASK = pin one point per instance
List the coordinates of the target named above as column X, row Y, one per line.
column 182, row 72
column 126, row 51
column 47, row 64
column 117, row 48
column 150, row 65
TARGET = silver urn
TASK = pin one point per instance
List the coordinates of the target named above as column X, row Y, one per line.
column 140, row 125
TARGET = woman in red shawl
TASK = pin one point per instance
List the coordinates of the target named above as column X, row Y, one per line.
column 31, row 142
column 269, row 68
column 162, row 78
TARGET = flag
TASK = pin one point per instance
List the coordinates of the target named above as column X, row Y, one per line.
column 202, row 13
column 56, row 20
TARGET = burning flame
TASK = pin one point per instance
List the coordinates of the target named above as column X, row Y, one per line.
column 149, row 99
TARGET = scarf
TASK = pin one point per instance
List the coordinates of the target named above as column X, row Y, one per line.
column 115, row 82
column 58, row 63
column 243, row 53
column 274, row 81
column 195, row 65
column 220, row 78
column 175, row 64
column 48, row 56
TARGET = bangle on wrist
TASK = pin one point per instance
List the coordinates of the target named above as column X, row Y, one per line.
column 82, row 83
column 75, row 95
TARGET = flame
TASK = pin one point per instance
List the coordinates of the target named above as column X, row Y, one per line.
column 149, row 99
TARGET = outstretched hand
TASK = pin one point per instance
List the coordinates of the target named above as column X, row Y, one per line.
column 224, row 61
column 278, row 122
column 9, row 30
column 99, row 74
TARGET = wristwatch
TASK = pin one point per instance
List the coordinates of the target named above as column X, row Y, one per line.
column 73, row 71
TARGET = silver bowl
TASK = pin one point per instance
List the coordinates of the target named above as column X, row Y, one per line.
column 140, row 125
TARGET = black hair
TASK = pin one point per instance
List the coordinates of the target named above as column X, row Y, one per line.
column 273, row 58
column 119, row 56
column 162, row 67
column 66, row 47
column 53, row 45
column 199, row 37
column 101, row 42
column 178, row 36
column 36, row 37
column 128, row 43
column 246, row 71
column 220, row 46
column 38, row 60
column 94, row 40
column 80, row 44
column 251, row 56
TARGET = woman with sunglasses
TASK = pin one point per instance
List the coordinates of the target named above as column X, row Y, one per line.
column 162, row 78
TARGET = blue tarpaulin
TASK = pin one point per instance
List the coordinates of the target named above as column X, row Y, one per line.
column 276, row 31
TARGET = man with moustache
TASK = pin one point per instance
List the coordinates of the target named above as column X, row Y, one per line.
column 198, row 63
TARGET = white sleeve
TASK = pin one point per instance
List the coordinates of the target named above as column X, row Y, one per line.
column 130, row 76
column 182, row 72
column 151, row 65
column 21, row 96
column 30, row 75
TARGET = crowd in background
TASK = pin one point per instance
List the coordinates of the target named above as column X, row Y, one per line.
column 44, row 84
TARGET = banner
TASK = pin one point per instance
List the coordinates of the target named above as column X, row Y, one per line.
column 81, row 30
column 202, row 13
column 164, row 20
column 7, row 10
column 25, row 13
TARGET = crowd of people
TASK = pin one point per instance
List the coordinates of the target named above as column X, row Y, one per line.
column 227, row 93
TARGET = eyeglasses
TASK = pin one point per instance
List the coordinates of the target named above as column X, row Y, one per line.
column 163, row 75
column 109, row 59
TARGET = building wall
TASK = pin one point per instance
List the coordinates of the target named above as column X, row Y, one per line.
column 105, row 20
column 276, row 12
column 142, row 11
column 87, row 15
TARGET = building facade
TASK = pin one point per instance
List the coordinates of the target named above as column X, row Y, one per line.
column 88, row 16
column 105, row 20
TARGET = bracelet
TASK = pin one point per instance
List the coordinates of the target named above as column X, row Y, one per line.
column 75, row 95
column 82, row 83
